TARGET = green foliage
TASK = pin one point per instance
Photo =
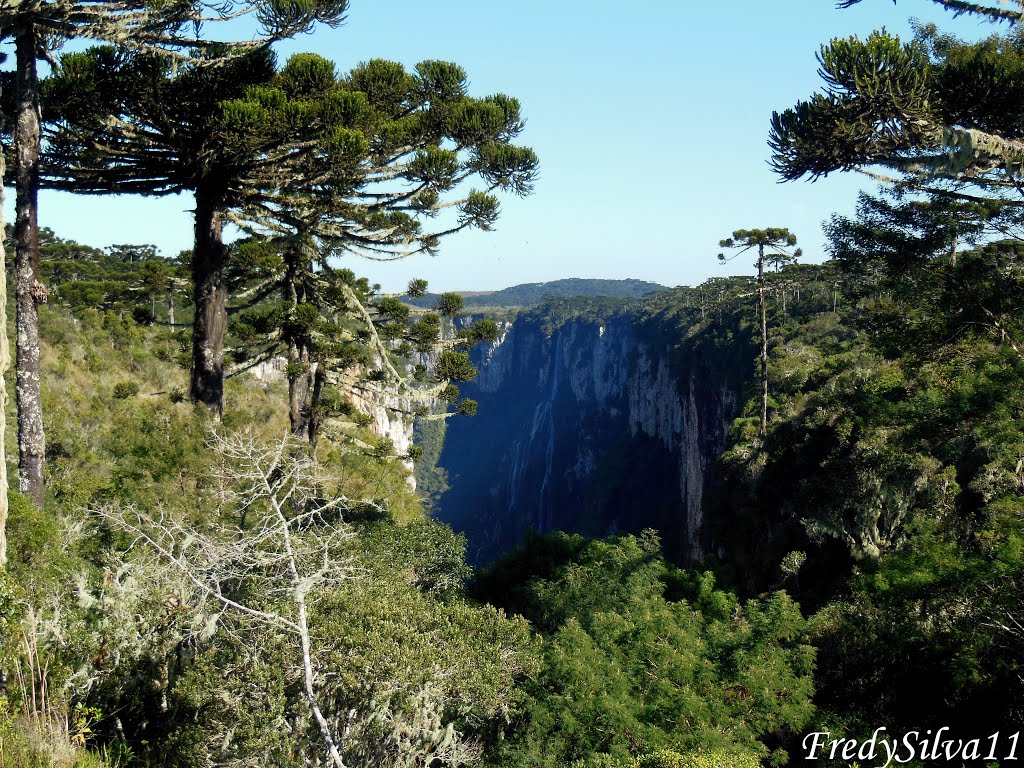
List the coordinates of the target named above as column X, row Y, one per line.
column 555, row 312
column 417, row 288
column 232, row 133
column 449, row 304
column 412, row 654
column 938, row 112
column 126, row 389
column 772, row 236
column 392, row 309
column 893, row 238
column 712, row 759
column 342, row 325
column 124, row 278
column 863, row 78
column 639, row 656
column 26, row 748
column 305, row 158
column 484, row 330
column 431, row 480
column 450, row 393
column 889, row 473
column 412, row 661
column 454, row 365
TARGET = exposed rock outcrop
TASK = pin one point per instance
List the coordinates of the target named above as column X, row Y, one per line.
column 388, row 419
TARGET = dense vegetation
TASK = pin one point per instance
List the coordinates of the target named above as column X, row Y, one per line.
column 639, row 656
column 886, row 496
column 107, row 649
column 874, row 521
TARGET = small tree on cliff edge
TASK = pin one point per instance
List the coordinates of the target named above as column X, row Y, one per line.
column 772, row 242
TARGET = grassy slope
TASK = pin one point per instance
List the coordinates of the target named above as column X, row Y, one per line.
column 149, row 446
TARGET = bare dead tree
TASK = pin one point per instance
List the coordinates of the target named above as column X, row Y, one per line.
column 284, row 544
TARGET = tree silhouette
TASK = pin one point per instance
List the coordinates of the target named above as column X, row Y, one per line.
column 935, row 114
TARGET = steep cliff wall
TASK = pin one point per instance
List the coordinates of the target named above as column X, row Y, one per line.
column 591, row 427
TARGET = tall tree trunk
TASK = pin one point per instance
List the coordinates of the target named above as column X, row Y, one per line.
column 207, row 384
column 29, row 292
column 298, row 387
column 764, row 339
column 5, row 363
column 298, row 376
column 315, row 420
column 170, row 309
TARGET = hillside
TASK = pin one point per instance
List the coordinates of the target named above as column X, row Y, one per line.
column 885, row 496
column 124, row 445
column 533, row 294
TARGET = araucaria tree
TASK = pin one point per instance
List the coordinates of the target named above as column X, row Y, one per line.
column 342, row 338
column 38, row 27
column 997, row 10
column 935, row 114
column 773, row 243
column 352, row 164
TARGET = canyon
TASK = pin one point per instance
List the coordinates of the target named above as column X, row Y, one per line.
column 592, row 425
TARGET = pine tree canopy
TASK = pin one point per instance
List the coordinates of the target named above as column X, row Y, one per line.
column 774, row 237
column 360, row 160
column 992, row 11
column 897, row 235
column 935, row 113
column 380, row 162
column 166, row 25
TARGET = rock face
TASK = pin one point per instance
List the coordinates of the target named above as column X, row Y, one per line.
column 591, row 428
column 386, row 412
column 388, row 421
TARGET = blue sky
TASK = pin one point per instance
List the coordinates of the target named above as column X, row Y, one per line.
column 650, row 119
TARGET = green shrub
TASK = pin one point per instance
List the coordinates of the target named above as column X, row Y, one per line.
column 718, row 758
column 667, row 758
column 125, row 390
column 610, row 612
